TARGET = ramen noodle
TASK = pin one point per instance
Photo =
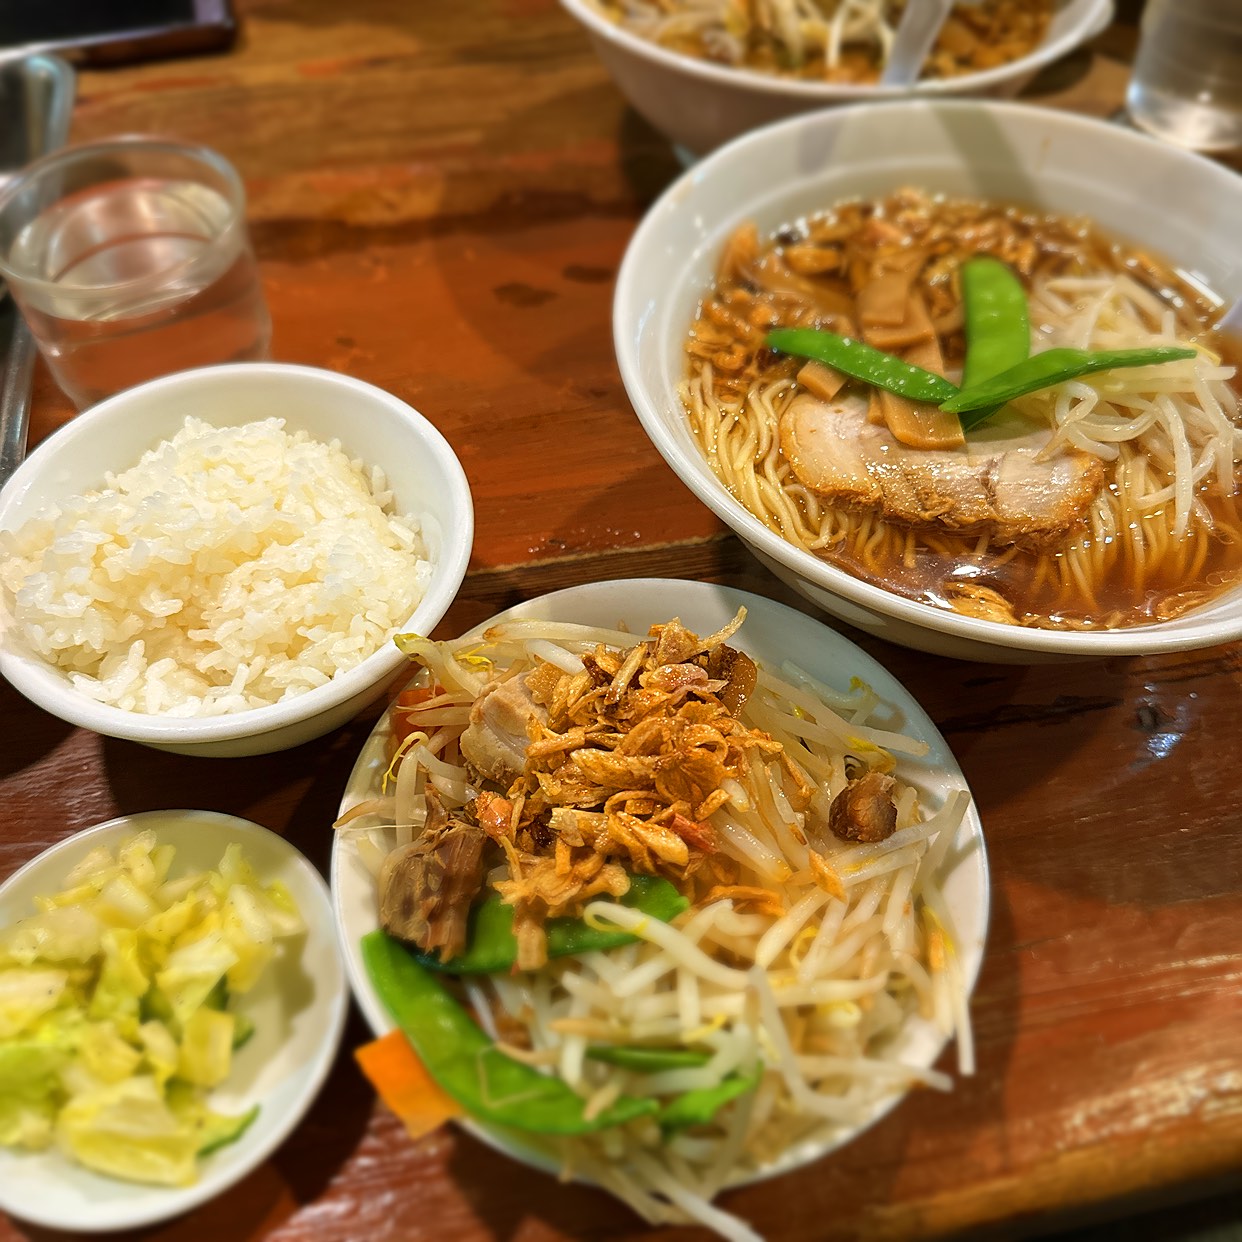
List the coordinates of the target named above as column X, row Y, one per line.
column 1137, row 518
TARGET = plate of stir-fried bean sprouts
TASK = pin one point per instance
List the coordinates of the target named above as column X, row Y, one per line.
column 820, row 858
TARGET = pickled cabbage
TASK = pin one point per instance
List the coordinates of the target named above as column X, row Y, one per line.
column 114, row 1009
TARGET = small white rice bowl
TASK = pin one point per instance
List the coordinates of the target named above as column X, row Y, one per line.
column 230, row 568
column 215, row 562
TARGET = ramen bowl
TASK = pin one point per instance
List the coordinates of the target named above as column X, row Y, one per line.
column 372, row 426
column 700, row 104
column 1179, row 205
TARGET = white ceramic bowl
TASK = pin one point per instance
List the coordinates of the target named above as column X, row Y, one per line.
column 1178, row 204
column 771, row 633
column 699, row 104
column 424, row 474
column 298, row 1008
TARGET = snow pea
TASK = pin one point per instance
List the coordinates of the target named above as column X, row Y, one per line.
column 998, row 327
column 493, row 1087
column 465, row 1062
column 491, row 947
column 645, row 1060
column 863, row 362
column 697, row 1108
column 1055, row 366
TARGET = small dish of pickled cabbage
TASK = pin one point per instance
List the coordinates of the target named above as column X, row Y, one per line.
column 171, row 998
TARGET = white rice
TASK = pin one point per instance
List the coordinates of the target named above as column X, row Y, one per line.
column 229, row 569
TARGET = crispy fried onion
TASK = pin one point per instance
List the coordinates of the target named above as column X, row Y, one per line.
column 623, row 774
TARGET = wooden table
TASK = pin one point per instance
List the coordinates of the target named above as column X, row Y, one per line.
column 440, row 197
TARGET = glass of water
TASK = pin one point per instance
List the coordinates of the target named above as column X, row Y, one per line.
column 130, row 259
column 1187, row 80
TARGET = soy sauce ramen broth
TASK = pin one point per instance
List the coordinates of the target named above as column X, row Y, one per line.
column 1122, row 565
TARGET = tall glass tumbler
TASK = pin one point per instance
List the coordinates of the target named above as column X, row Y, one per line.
column 130, row 259
column 1187, row 81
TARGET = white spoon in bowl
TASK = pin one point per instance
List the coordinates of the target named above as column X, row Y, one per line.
column 917, row 31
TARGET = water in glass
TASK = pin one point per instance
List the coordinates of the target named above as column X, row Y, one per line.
column 1187, row 80
column 147, row 275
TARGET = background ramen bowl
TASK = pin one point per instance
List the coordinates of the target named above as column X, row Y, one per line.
column 1181, row 206
column 423, row 473
column 700, row 104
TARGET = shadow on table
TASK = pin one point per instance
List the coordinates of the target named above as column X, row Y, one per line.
column 1073, row 766
column 1061, row 75
column 30, row 734
column 1212, row 1220
column 294, row 792
column 500, row 237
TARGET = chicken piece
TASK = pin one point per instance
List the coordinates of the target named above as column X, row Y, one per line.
column 698, row 833
column 864, row 810
column 494, row 742
column 426, row 888
column 991, row 486
column 957, row 40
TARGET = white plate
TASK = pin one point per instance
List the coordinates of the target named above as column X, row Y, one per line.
column 771, row 633
column 298, row 1008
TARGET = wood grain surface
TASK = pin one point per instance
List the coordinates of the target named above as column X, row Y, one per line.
column 440, row 195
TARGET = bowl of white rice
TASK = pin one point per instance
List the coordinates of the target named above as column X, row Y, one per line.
column 215, row 562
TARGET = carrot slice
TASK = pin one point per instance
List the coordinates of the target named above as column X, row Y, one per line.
column 402, row 1082
column 405, row 703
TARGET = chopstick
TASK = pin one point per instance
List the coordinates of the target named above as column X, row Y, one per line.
column 16, row 372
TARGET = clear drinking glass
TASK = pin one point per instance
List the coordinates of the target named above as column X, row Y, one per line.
column 1187, row 80
column 130, row 259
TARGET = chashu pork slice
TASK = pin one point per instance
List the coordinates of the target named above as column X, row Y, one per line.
column 993, row 486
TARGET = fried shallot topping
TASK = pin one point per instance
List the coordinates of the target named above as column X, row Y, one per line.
column 624, row 764
column 628, row 766
column 614, row 769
